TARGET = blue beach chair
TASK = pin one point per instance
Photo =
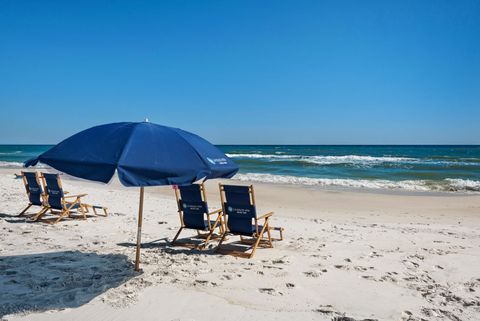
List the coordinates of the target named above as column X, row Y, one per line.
column 56, row 200
column 241, row 219
column 194, row 214
column 34, row 189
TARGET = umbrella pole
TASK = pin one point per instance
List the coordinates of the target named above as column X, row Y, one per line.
column 139, row 230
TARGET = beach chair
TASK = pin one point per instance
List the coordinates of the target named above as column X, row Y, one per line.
column 34, row 189
column 194, row 214
column 56, row 200
column 241, row 219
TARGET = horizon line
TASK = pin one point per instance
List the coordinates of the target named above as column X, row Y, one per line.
column 246, row 144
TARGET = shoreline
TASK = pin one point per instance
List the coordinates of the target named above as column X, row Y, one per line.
column 326, row 188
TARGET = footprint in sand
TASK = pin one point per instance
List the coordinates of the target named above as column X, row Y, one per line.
column 344, row 318
column 269, row 291
column 374, row 254
column 410, row 264
column 388, row 278
column 312, row 274
column 360, row 268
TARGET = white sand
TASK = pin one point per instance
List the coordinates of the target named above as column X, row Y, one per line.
column 346, row 254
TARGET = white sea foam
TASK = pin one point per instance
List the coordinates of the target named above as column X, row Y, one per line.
column 355, row 159
column 457, row 184
column 351, row 159
column 11, row 153
column 10, row 164
column 325, row 159
column 409, row 185
column 4, row 164
column 254, row 155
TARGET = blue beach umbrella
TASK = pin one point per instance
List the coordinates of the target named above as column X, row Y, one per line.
column 142, row 154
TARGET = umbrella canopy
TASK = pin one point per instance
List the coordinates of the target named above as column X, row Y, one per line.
column 143, row 154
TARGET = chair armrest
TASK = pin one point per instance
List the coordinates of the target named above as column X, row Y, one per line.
column 265, row 216
column 78, row 196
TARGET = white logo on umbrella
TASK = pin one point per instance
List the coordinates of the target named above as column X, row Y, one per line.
column 211, row 160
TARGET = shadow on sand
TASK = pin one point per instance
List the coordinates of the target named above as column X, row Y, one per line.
column 58, row 280
column 189, row 246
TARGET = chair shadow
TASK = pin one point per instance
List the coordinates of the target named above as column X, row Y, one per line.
column 4, row 215
column 183, row 246
column 188, row 245
column 58, row 280
column 48, row 218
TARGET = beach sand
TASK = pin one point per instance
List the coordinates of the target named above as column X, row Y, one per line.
column 346, row 254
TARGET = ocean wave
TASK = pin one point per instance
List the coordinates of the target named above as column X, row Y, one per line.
column 254, row 155
column 350, row 159
column 452, row 185
column 4, row 164
column 10, row 164
column 463, row 184
column 11, row 153
column 355, row 159
column 326, row 159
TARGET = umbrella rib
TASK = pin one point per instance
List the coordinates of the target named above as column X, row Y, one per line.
column 194, row 149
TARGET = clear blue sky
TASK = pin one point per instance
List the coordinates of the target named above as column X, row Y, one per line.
column 325, row 72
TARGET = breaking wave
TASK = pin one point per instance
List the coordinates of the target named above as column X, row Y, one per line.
column 451, row 185
column 4, row 164
column 350, row 159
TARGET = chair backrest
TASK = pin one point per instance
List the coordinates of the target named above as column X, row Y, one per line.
column 192, row 203
column 239, row 207
column 33, row 187
column 54, row 190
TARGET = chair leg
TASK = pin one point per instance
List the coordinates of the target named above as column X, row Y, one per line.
column 212, row 230
column 259, row 238
column 269, row 237
column 221, row 241
column 255, row 247
column 176, row 235
column 204, row 244
column 220, row 227
column 40, row 214
column 62, row 214
column 105, row 211
column 26, row 208
column 83, row 211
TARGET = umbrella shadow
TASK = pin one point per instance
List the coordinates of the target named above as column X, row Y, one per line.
column 58, row 280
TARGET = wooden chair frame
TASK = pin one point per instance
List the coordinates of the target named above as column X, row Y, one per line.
column 94, row 208
column 42, row 195
column 67, row 206
column 257, row 237
column 211, row 228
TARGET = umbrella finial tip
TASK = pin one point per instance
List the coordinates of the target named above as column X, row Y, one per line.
column 145, row 120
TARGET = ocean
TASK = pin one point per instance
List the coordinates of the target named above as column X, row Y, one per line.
column 411, row 168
